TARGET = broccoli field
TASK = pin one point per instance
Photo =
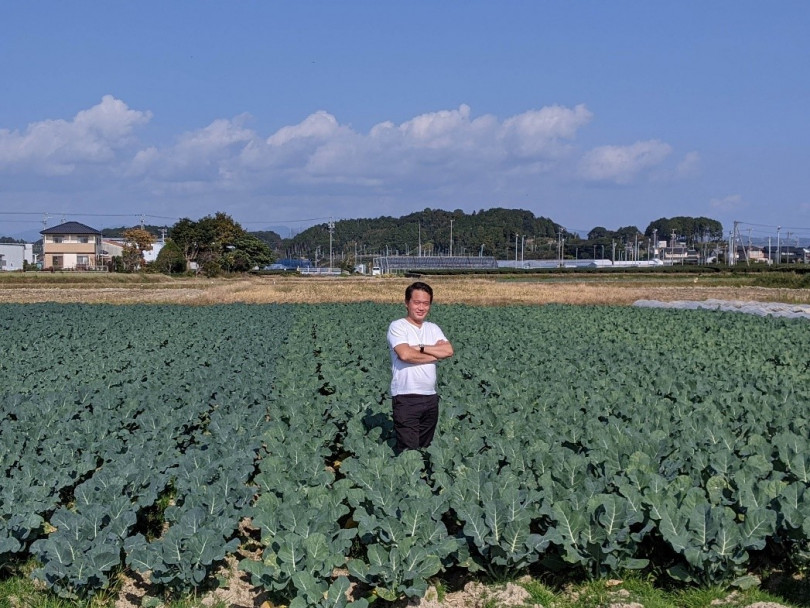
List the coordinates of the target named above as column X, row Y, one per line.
column 590, row 440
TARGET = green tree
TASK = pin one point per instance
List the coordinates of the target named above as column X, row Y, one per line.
column 693, row 230
column 170, row 259
column 493, row 230
column 628, row 234
column 136, row 242
column 598, row 233
column 216, row 243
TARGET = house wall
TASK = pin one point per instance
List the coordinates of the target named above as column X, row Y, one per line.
column 113, row 248
column 71, row 261
column 12, row 255
column 68, row 251
column 151, row 255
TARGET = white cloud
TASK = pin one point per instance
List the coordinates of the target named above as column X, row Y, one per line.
column 318, row 126
column 689, row 166
column 621, row 164
column 444, row 147
column 207, row 154
column 435, row 149
column 435, row 157
column 57, row 147
column 732, row 202
column 538, row 132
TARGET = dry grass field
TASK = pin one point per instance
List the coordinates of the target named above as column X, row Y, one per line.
column 474, row 290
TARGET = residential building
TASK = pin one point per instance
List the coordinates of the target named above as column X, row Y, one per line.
column 111, row 248
column 679, row 254
column 787, row 254
column 71, row 246
column 14, row 255
column 751, row 253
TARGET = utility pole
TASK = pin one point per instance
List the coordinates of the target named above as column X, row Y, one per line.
column 732, row 246
column 748, row 255
column 778, row 246
column 731, row 253
column 331, row 230
column 451, row 238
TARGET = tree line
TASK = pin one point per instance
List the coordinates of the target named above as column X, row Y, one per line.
column 217, row 243
column 497, row 232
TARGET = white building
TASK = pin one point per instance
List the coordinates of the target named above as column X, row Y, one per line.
column 151, row 255
column 13, row 255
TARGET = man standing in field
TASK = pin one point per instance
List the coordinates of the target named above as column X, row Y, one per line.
column 416, row 345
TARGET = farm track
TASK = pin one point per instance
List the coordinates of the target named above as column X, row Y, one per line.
column 477, row 291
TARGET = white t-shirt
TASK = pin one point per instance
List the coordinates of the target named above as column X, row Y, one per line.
column 412, row 378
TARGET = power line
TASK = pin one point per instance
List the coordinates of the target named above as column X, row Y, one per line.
column 162, row 217
column 774, row 227
column 68, row 214
column 311, row 219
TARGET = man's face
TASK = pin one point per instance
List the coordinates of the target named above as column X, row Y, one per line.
column 418, row 306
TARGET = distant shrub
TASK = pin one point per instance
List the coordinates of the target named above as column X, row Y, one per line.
column 170, row 259
column 786, row 280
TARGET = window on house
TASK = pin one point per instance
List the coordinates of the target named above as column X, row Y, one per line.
column 57, row 261
column 84, row 239
column 58, row 239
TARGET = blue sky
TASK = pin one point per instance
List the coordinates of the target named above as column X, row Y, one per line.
column 590, row 113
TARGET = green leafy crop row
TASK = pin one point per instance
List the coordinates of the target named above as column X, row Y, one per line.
column 596, row 439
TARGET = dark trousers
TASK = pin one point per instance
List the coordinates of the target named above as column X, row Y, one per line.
column 415, row 418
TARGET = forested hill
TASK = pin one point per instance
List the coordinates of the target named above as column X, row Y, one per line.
column 494, row 229
column 497, row 232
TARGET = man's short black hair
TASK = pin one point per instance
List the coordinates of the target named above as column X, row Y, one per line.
column 418, row 286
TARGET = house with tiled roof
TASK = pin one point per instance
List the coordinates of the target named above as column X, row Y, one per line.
column 71, row 246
